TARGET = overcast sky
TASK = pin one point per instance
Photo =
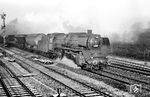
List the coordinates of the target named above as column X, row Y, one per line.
column 103, row 16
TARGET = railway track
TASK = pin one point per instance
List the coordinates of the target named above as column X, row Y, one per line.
column 126, row 80
column 13, row 86
column 130, row 66
column 29, row 78
column 113, row 76
column 92, row 90
column 79, row 89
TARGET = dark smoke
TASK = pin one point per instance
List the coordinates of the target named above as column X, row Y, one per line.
column 127, row 35
column 136, row 29
column 141, row 35
column 143, row 39
column 139, row 48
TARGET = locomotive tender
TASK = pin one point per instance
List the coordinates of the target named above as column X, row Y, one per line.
column 87, row 50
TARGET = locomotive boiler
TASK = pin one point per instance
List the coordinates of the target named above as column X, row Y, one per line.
column 86, row 49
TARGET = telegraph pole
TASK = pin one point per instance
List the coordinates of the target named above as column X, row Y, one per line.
column 3, row 17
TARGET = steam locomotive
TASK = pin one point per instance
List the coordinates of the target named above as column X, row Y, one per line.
column 87, row 50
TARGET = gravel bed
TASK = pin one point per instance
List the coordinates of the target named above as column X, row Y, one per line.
column 41, row 89
column 90, row 81
column 53, row 84
column 108, row 81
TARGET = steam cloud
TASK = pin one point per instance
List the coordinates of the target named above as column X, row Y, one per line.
column 46, row 23
column 119, row 20
column 43, row 23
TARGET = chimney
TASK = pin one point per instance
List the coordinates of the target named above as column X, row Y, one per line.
column 89, row 31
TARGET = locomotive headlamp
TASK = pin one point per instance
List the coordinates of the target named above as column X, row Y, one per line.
column 95, row 43
column 96, row 37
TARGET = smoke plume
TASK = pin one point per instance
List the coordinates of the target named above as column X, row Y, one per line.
column 48, row 23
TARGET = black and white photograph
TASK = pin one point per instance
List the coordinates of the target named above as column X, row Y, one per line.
column 74, row 48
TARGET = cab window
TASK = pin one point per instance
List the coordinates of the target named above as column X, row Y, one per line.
column 105, row 41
